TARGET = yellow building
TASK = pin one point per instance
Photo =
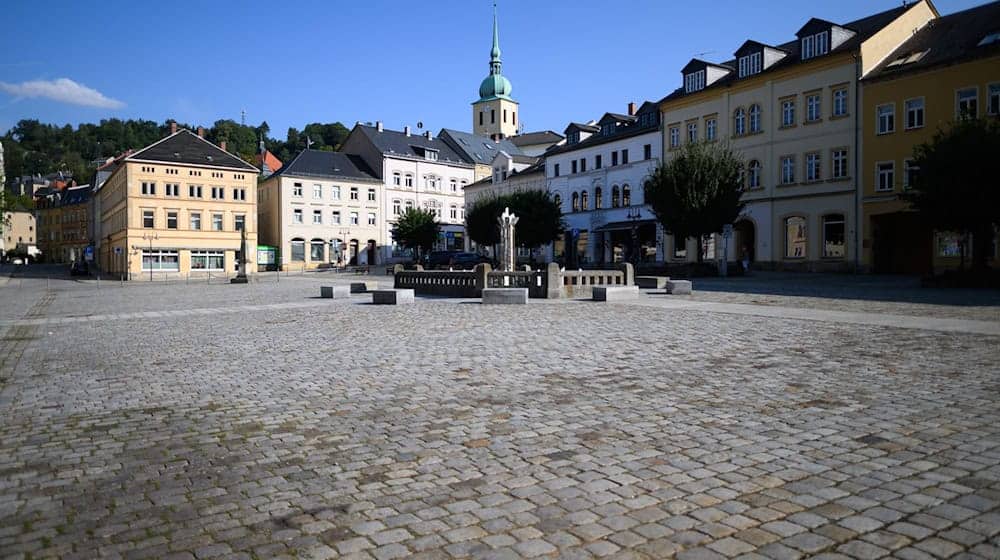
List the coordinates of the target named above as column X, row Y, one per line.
column 177, row 207
column 950, row 68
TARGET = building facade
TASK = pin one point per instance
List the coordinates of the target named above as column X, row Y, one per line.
column 792, row 111
column 322, row 209
column 178, row 207
column 494, row 114
column 947, row 71
column 63, row 217
column 598, row 179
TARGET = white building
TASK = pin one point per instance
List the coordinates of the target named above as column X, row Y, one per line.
column 597, row 176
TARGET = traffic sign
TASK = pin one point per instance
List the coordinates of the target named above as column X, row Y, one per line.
column 88, row 253
column 118, row 250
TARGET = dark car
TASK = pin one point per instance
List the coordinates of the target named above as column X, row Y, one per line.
column 436, row 260
column 79, row 268
column 468, row 260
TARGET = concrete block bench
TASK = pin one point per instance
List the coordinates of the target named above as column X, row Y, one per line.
column 652, row 282
column 335, row 292
column 392, row 297
column 678, row 287
column 615, row 293
column 364, row 287
column 505, row 296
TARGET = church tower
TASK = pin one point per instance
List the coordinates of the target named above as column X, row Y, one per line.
column 495, row 114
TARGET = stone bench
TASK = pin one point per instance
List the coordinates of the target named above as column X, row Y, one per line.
column 652, row 282
column 334, row 292
column 615, row 293
column 364, row 287
column 505, row 296
column 678, row 287
column 392, row 297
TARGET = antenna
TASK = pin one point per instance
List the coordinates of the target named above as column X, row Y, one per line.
column 243, row 117
column 701, row 54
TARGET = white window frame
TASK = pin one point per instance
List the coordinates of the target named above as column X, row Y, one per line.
column 890, row 119
column 739, row 122
column 335, row 217
column 221, row 222
column 675, row 136
column 372, row 219
column 787, row 167
column 838, row 155
column 354, row 218
column 750, row 64
column 753, row 174
column 317, row 217
column 787, row 113
column 814, row 167
column 335, row 192
column 317, row 191
column 888, row 174
column 908, row 167
column 822, row 43
column 915, row 110
column 397, row 179
column 297, row 190
column 754, row 118
column 694, row 81
column 194, row 219
column 209, row 256
column 355, row 194
column 808, row 43
column 959, row 101
column 692, row 131
column 840, row 102
column 159, row 255
column 296, row 215
column 814, row 107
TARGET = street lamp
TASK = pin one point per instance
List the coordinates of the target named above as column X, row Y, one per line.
column 150, row 237
column 634, row 215
column 345, row 235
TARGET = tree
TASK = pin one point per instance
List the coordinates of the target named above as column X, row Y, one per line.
column 540, row 220
column 954, row 189
column 481, row 220
column 417, row 229
column 698, row 191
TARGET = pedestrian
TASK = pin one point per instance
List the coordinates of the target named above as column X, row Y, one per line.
column 746, row 260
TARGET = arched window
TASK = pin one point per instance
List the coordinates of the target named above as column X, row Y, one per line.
column 397, row 207
column 753, row 174
column 598, row 198
column 626, row 196
column 584, row 201
column 576, row 202
column 558, row 200
column 615, row 203
column 739, row 122
column 316, row 250
column 795, row 237
column 298, row 250
column 754, row 118
column 454, row 211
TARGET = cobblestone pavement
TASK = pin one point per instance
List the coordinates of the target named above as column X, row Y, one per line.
column 444, row 430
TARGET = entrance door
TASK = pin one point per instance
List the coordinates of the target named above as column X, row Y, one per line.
column 746, row 240
column 900, row 244
column 353, row 253
column 371, row 251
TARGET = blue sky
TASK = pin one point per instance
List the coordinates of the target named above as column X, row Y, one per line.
column 347, row 60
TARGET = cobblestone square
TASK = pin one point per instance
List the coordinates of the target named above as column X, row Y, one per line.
column 177, row 421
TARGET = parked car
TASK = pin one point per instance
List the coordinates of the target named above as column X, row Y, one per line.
column 468, row 260
column 436, row 260
column 79, row 268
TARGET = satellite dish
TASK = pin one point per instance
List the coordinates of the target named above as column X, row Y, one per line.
column 420, row 124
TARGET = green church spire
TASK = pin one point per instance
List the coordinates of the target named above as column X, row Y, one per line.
column 495, row 51
column 495, row 86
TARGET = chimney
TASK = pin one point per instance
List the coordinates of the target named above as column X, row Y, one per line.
column 378, row 126
column 631, row 109
column 173, row 127
column 406, row 130
column 223, row 146
column 201, row 132
column 428, row 135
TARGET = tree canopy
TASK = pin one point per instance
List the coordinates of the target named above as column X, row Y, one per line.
column 540, row 221
column 954, row 190
column 417, row 229
column 698, row 191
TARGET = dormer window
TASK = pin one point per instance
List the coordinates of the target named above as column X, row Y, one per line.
column 430, row 155
column 607, row 129
column 750, row 64
column 573, row 138
column 815, row 45
column 694, row 81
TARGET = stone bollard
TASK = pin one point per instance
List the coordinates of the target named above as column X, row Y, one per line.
column 526, row 268
column 629, row 271
column 553, row 281
column 420, row 268
column 482, row 271
column 397, row 268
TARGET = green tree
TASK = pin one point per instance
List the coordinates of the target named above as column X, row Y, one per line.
column 698, row 191
column 417, row 229
column 954, row 189
column 540, row 221
column 481, row 220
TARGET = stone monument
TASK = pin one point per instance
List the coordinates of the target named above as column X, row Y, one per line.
column 241, row 274
column 508, row 250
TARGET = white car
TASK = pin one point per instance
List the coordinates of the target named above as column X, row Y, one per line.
column 17, row 261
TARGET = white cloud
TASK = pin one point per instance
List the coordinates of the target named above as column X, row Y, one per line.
column 64, row 90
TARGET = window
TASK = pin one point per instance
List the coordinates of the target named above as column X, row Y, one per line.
column 317, row 217
column 239, row 222
column 675, row 142
column 196, row 221
column 614, row 158
column 194, row 191
column 493, row 116
column 692, row 132
column 584, row 201
column 576, row 202
column 624, row 157
column 750, row 64
column 454, row 184
column 598, row 198
column 833, row 236
column 886, row 115
column 316, row 250
column 147, row 219
column 317, row 191
column 354, row 193
column 555, row 170
column 298, row 250
column 840, row 102
column 217, row 222
column 597, row 161
column 787, row 170
column 371, row 195
column 160, row 260
column 647, row 151
column 815, row 45
column 172, row 220
column 335, row 217
column 993, row 100
column 297, row 189
column 397, row 178
column 626, row 196
column 397, row 207
column 710, row 129
column 218, row 193
column 453, row 212
column 808, row 47
column 354, row 218
column 910, row 172
column 583, row 166
column 408, row 180
column 208, row 260
column 914, row 113
column 754, row 118
column 680, row 248
column 297, row 216
column 753, row 174
column 813, row 109
column 172, row 189
column 885, row 176
column 615, row 202
column 694, row 81
column 480, row 118
column 371, row 218
column 967, row 103
column 813, row 167
column 239, row 194
column 839, row 163
column 739, row 122
column 795, row 237
column 788, row 112
column 149, row 188
column 572, row 166
column 822, row 43
column 335, row 192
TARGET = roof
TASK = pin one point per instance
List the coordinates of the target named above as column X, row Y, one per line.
column 536, row 138
column 945, row 40
column 538, row 167
column 268, row 161
column 397, row 144
column 628, row 126
column 583, row 127
column 863, row 28
column 475, row 148
column 519, row 158
column 336, row 165
column 187, row 148
column 70, row 195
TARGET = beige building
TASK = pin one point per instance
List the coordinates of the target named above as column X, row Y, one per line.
column 322, row 209
column 792, row 111
column 178, row 207
column 510, row 173
column 18, row 234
